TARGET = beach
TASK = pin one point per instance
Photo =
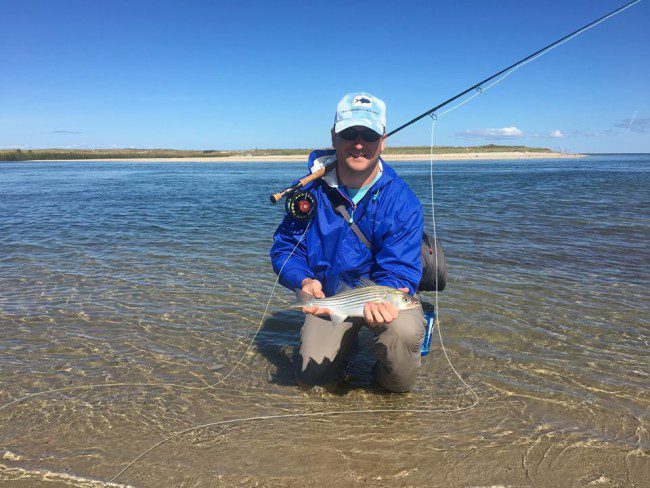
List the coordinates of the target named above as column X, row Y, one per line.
column 474, row 156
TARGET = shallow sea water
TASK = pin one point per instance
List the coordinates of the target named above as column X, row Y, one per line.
column 155, row 276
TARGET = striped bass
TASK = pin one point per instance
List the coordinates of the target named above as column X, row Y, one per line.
column 350, row 303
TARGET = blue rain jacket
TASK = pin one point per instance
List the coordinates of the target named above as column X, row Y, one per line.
column 390, row 217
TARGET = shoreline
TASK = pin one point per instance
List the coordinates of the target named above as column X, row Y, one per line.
column 476, row 156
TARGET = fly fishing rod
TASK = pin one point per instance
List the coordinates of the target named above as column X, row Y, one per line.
column 477, row 86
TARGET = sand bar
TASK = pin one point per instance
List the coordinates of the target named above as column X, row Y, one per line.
column 477, row 156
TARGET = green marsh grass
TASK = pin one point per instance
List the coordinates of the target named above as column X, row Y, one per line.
column 78, row 154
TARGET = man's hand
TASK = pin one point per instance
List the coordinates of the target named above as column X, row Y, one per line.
column 314, row 288
column 377, row 314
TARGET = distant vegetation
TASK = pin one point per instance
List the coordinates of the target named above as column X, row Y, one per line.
column 68, row 154
column 462, row 149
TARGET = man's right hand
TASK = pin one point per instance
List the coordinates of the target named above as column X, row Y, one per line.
column 314, row 288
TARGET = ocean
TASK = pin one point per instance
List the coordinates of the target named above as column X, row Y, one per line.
column 131, row 295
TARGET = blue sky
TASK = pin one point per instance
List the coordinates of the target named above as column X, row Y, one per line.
column 236, row 75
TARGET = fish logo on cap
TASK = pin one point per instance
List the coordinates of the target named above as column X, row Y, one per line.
column 362, row 109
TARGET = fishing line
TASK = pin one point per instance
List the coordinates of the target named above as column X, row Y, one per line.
column 515, row 66
column 331, row 413
column 478, row 88
column 629, row 126
column 435, row 242
column 168, row 385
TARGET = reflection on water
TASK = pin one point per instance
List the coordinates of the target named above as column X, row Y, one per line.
column 158, row 274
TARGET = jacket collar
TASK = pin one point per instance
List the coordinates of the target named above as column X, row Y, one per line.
column 318, row 159
column 332, row 178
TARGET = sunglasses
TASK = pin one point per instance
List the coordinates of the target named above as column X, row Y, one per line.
column 367, row 135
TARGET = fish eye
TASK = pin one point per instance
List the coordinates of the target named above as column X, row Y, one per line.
column 405, row 299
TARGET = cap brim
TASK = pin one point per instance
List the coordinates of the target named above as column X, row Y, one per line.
column 370, row 124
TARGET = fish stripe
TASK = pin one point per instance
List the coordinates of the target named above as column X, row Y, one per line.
column 357, row 299
column 358, row 296
column 350, row 302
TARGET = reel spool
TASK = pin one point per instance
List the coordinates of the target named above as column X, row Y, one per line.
column 301, row 205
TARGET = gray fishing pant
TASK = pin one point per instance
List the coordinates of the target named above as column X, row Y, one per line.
column 325, row 348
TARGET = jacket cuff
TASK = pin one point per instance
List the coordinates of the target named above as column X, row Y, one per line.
column 292, row 278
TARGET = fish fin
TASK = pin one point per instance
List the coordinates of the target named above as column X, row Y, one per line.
column 343, row 287
column 337, row 318
column 364, row 282
column 303, row 299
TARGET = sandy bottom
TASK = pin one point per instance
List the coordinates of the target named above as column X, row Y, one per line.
column 129, row 276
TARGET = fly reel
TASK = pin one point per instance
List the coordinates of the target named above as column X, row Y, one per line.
column 300, row 204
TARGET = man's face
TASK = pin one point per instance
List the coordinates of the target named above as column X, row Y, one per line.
column 358, row 155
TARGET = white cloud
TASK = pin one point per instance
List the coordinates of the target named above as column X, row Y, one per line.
column 556, row 134
column 502, row 133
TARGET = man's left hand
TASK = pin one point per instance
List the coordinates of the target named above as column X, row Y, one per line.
column 377, row 314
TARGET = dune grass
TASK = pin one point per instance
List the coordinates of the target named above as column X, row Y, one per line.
column 75, row 154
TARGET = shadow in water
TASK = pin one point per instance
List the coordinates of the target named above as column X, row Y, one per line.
column 279, row 342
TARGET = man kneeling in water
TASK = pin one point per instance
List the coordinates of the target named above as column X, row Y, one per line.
column 331, row 254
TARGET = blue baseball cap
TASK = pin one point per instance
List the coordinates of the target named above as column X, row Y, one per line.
column 360, row 109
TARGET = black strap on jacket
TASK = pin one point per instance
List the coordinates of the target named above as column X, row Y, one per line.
column 355, row 228
column 432, row 256
column 338, row 203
